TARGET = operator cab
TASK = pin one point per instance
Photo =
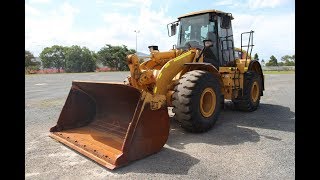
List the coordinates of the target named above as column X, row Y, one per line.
column 212, row 25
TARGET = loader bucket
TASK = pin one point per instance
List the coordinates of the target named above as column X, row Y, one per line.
column 110, row 123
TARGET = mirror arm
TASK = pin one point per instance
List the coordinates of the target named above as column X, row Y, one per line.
column 197, row 59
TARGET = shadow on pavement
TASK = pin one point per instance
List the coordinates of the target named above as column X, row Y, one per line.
column 233, row 127
column 167, row 161
column 267, row 116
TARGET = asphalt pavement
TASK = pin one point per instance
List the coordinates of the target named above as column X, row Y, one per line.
column 256, row 145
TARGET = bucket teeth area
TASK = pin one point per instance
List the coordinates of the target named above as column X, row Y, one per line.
column 96, row 143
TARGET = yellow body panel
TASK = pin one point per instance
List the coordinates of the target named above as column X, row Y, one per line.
column 233, row 77
column 170, row 70
column 159, row 74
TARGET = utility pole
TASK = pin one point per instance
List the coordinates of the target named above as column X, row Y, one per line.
column 136, row 31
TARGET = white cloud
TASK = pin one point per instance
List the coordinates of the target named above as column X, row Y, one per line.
column 56, row 27
column 233, row 3
column 100, row 1
column 131, row 3
column 142, row 2
column 151, row 24
column 255, row 4
column 31, row 11
column 48, row 28
column 39, row 1
column 223, row 2
column 274, row 34
column 68, row 9
column 123, row 4
column 250, row 4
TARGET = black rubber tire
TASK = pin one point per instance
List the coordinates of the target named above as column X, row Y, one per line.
column 245, row 103
column 186, row 100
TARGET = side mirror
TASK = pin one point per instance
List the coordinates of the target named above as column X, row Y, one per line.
column 173, row 28
column 225, row 21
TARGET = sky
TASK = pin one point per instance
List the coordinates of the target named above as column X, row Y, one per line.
column 95, row 23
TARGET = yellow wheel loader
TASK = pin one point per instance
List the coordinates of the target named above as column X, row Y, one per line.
column 116, row 123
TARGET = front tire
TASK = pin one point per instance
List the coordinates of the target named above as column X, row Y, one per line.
column 197, row 101
column 251, row 93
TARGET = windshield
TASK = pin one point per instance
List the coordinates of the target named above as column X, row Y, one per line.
column 193, row 30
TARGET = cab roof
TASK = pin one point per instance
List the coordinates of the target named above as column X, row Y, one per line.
column 203, row 12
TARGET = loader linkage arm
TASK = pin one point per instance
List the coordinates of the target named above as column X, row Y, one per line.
column 154, row 75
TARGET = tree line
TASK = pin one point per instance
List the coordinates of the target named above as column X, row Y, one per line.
column 79, row 59
column 287, row 60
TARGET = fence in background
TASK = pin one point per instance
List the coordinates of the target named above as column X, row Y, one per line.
column 278, row 68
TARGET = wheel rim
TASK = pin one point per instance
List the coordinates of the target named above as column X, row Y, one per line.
column 255, row 91
column 207, row 102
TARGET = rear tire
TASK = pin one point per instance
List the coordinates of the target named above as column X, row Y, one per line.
column 197, row 101
column 251, row 93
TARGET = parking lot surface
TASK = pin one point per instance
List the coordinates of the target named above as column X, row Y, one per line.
column 256, row 145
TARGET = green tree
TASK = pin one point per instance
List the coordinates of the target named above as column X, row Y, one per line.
column 28, row 57
column 80, row 59
column 272, row 62
column 256, row 57
column 290, row 63
column 30, row 65
column 293, row 57
column 114, row 56
column 54, row 57
column 94, row 56
column 288, row 60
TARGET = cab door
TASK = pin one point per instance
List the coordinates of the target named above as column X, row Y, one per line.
column 225, row 41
